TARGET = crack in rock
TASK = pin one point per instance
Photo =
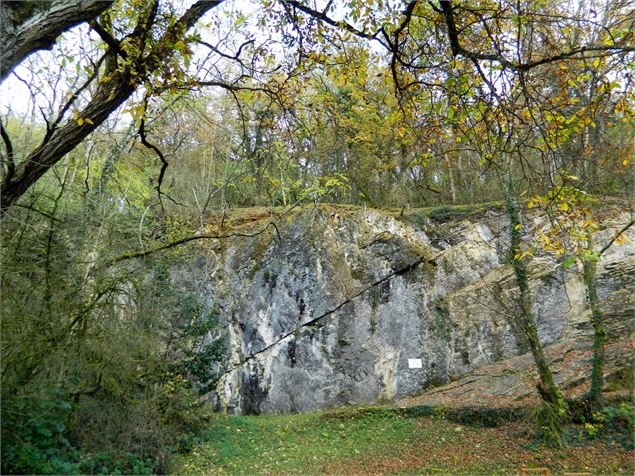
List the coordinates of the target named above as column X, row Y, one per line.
column 398, row 272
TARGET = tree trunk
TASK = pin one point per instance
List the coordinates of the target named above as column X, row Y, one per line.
column 599, row 333
column 451, row 178
column 547, row 388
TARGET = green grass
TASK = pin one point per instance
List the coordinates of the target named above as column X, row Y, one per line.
column 380, row 440
column 295, row 443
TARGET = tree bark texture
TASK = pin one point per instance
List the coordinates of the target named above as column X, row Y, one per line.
column 599, row 334
column 547, row 388
column 39, row 31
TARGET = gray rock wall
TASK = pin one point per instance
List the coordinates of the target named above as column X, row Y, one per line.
column 328, row 310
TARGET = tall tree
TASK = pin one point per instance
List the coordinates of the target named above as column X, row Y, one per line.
column 149, row 43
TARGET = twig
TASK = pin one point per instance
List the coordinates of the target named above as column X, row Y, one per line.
column 612, row 240
column 71, row 100
column 149, row 145
column 9, row 147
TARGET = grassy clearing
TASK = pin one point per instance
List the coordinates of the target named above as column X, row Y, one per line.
column 378, row 440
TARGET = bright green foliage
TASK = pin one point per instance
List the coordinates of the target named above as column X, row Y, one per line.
column 614, row 423
column 33, row 440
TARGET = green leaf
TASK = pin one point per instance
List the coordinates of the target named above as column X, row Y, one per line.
column 570, row 261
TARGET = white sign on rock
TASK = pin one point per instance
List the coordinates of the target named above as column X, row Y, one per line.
column 414, row 364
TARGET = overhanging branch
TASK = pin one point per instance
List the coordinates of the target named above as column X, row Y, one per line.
column 322, row 16
column 458, row 50
column 41, row 30
column 617, row 235
column 179, row 242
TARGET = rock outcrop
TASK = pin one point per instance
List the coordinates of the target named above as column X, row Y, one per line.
column 328, row 307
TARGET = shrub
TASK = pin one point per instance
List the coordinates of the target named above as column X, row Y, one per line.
column 34, row 437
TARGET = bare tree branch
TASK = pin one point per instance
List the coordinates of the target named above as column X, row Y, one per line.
column 182, row 241
column 9, row 148
column 617, row 235
column 112, row 42
column 458, row 50
column 149, row 145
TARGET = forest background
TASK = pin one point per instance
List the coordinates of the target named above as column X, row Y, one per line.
column 149, row 121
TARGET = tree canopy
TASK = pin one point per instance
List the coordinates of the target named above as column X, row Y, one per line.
column 479, row 61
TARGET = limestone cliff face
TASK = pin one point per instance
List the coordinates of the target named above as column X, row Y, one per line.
column 327, row 309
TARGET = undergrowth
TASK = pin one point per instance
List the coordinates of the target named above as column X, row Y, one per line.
column 380, row 440
column 99, row 435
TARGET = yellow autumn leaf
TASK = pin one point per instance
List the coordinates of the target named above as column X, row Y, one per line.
column 625, row 162
column 518, row 227
column 88, row 121
column 80, row 121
